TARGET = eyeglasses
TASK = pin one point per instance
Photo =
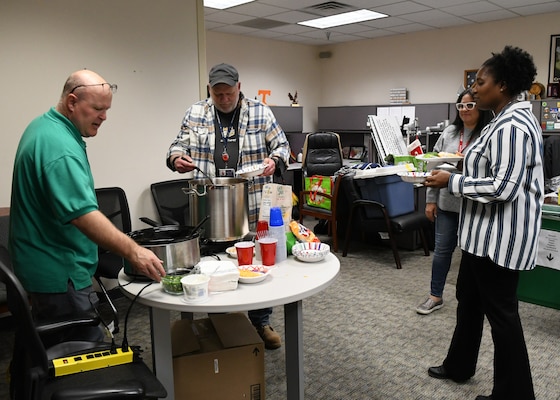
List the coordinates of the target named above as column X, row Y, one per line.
column 467, row 106
column 112, row 86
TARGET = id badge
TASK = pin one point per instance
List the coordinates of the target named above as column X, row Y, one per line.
column 226, row 172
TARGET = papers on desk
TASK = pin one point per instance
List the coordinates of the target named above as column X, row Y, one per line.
column 384, row 171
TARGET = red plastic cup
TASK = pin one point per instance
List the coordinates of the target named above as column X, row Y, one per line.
column 268, row 250
column 245, row 252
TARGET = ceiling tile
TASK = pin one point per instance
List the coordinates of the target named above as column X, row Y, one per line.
column 405, row 16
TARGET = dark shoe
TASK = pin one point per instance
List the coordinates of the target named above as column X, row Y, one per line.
column 429, row 306
column 322, row 227
column 483, row 398
column 441, row 373
column 270, row 337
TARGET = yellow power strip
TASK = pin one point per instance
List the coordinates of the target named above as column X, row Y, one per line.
column 91, row 361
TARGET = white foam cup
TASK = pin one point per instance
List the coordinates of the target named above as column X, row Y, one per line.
column 195, row 288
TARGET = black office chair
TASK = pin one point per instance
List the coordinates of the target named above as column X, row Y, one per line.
column 322, row 155
column 379, row 220
column 172, row 204
column 113, row 204
column 32, row 373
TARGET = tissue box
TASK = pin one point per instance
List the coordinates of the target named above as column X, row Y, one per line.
column 224, row 275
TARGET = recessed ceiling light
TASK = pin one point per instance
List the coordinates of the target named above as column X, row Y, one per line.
column 351, row 17
column 223, row 4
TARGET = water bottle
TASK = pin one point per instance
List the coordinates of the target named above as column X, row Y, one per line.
column 277, row 230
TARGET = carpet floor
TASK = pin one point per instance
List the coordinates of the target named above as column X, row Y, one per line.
column 364, row 340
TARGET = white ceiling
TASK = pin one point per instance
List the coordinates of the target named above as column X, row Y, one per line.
column 277, row 19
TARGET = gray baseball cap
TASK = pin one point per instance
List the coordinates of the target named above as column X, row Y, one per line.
column 223, row 73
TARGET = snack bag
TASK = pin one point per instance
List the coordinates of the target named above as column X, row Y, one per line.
column 302, row 233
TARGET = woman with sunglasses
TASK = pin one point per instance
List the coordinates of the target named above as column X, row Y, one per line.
column 502, row 189
column 443, row 208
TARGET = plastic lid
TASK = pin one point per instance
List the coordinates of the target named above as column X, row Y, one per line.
column 276, row 217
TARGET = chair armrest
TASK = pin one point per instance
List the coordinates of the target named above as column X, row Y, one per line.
column 363, row 202
column 114, row 391
column 305, row 193
column 71, row 321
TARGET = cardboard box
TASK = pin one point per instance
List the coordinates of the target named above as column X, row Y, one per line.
column 220, row 357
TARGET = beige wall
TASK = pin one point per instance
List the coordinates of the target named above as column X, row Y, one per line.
column 149, row 50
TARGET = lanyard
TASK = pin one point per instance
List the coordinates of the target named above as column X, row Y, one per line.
column 461, row 148
column 225, row 155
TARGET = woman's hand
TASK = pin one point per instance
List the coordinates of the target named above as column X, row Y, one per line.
column 431, row 211
column 438, row 179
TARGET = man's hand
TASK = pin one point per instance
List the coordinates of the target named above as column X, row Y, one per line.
column 183, row 163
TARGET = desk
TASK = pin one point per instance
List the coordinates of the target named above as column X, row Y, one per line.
column 288, row 284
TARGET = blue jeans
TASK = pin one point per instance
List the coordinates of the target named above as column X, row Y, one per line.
column 446, row 240
column 54, row 306
column 260, row 317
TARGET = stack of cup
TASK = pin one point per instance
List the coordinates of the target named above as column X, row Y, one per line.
column 262, row 232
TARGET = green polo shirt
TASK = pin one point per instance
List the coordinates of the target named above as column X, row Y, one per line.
column 52, row 185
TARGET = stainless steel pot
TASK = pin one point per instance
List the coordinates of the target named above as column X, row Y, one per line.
column 225, row 200
column 178, row 246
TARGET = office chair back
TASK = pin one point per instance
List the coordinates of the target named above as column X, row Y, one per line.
column 322, row 154
column 113, row 203
column 171, row 202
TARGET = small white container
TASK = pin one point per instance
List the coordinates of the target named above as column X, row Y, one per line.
column 195, row 288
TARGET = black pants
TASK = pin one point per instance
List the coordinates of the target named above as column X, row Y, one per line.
column 484, row 288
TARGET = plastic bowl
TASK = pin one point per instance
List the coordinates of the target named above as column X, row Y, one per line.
column 171, row 283
column 311, row 251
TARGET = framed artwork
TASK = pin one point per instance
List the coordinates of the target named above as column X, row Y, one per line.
column 470, row 77
column 356, row 152
column 554, row 62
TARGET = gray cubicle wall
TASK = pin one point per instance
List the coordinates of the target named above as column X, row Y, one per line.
column 350, row 121
column 291, row 121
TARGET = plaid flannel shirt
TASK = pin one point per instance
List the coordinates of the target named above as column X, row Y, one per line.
column 260, row 137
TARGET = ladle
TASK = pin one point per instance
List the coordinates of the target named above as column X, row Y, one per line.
column 205, row 175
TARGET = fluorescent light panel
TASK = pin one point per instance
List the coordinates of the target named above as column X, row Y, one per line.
column 351, row 17
column 223, row 4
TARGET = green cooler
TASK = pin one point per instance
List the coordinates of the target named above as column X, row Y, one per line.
column 542, row 285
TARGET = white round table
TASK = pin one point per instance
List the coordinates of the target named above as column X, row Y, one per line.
column 287, row 284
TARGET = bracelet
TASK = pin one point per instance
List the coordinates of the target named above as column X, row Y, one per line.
column 173, row 162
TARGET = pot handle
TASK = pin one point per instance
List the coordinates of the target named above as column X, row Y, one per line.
column 191, row 191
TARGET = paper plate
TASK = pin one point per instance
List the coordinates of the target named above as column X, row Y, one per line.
column 261, row 270
column 439, row 160
column 251, row 171
column 414, row 177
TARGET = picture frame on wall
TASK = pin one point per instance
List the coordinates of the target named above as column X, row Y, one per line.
column 470, row 77
column 554, row 62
